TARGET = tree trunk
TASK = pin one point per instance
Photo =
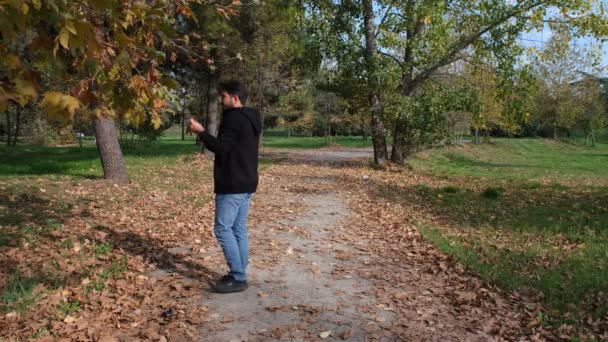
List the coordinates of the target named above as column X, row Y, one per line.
column 399, row 141
column 8, row 127
column 17, row 126
column 112, row 161
column 401, row 145
column 261, row 98
column 212, row 115
column 378, row 132
column 592, row 139
column 183, row 125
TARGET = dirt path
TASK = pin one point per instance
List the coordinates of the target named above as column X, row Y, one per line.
column 310, row 291
column 326, row 266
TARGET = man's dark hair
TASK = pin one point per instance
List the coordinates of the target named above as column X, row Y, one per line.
column 235, row 88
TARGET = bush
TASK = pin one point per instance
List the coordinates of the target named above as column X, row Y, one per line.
column 492, row 193
column 42, row 133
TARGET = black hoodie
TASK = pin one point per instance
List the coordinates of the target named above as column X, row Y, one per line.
column 235, row 169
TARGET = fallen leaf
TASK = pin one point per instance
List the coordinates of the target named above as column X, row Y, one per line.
column 107, row 338
column 347, row 334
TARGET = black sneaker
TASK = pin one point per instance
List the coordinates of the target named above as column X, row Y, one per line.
column 228, row 285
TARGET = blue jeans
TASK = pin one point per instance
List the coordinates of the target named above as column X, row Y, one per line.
column 231, row 231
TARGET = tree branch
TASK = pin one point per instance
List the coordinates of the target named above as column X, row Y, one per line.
column 466, row 41
column 395, row 59
column 383, row 20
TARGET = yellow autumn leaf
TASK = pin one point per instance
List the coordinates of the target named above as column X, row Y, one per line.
column 64, row 38
column 60, row 107
column 26, row 89
column 37, row 4
column 24, row 9
column 70, row 26
column 51, row 104
column 156, row 120
column 137, row 116
column 71, row 104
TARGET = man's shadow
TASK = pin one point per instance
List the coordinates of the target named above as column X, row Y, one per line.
column 153, row 251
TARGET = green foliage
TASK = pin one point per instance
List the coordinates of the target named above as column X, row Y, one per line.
column 296, row 111
column 567, row 95
column 427, row 122
column 418, row 40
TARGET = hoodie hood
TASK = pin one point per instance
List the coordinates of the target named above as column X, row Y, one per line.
column 253, row 115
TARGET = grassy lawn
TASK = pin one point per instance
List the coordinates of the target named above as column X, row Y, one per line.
column 519, row 159
column 527, row 214
column 76, row 162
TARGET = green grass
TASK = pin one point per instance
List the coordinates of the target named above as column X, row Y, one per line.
column 315, row 142
column 68, row 308
column 141, row 158
column 117, row 268
column 102, row 248
column 519, row 159
column 527, row 214
column 17, row 295
column 76, row 162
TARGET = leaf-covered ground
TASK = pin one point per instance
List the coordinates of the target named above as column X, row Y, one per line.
column 332, row 258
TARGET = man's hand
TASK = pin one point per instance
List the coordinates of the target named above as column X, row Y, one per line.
column 195, row 127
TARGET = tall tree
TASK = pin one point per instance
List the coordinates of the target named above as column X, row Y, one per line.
column 566, row 94
column 424, row 36
column 378, row 136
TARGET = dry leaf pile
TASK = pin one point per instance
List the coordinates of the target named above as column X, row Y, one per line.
column 136, row 259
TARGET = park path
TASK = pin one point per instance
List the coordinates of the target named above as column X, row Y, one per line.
column 331, row 261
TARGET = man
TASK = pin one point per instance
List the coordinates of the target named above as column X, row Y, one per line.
column 235, row 173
